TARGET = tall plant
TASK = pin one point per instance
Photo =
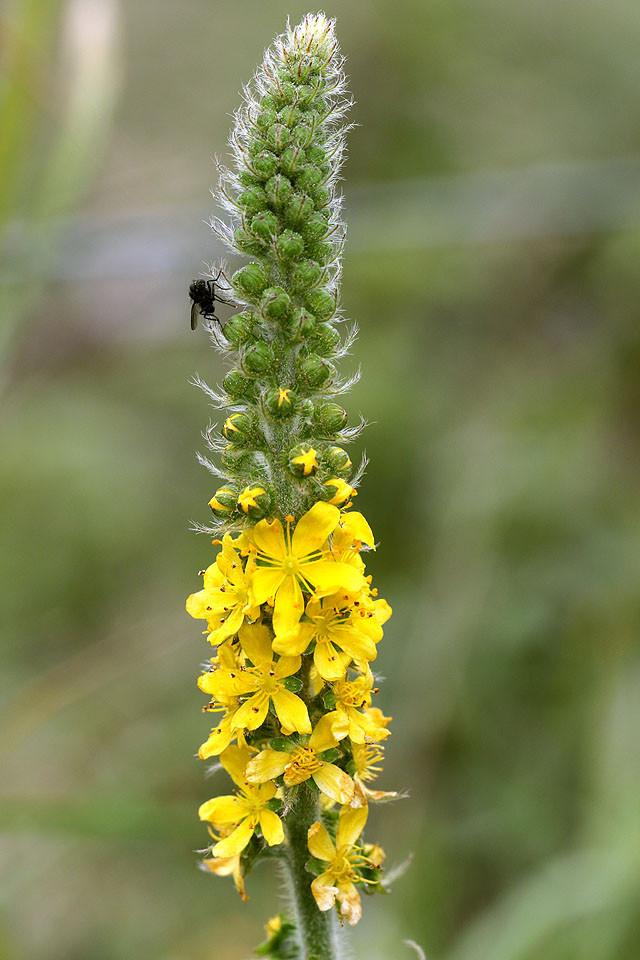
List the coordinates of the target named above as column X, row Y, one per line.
column 293, row 616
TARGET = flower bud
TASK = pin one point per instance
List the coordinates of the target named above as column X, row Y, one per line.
column 290, row 115
column 299, row 206
column 292, row 160
column 289, row 245
column 250, row 280
column 320, row 251
column 321, row 196
column 248, row 179
column 257, row 358
column 280, row 402
column 306, row 274
column 325, row 339
column 309, row 176
column 341, row 490
column 322, row 303
column 278, row 137
column 316, row 372
column 303, row 323
column 275, row 303
column 317, row 155
column 246, row 243
column 303, row 460
column 238, row 386
column 224, row 501
column 285, row 92
column 252, row 199
column 337, row 461
column 315, row 227
column 237, row 329
column 236, row 427
column 265, row 164
column 330, row 418
column 264, row 225
column 306, row 93
column 246, row 462
column 278, row 190
column 266, row 118
column 254, row 502
column 302, row 134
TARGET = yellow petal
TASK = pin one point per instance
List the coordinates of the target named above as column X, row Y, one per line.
column 350, row 825
column 252, row 713
column 327, row 576
column 236, row 841
column 219, row 739
column 213, row 578
column 324, row 891
column 350, row 905
column 287, row 666
column 266, row 765
column 197, row 604
column 271, row 825
column 222, row 810
column 292, row 711
column 313, row 528
column 229, row 627
column 358, row 527
column 289, row 606
column 328, row 730
column 234, row 760
column 334, row 782
column 320, row 843
column 295, row 641
column 269, row 538
column 331, row 664
column 256, row 642
column 227, row 683
column 356, row 644
column 265, row 583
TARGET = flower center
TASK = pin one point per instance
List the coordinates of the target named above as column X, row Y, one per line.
column 351, row 693
column 304, row 762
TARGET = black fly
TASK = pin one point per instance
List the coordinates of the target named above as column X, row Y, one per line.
column 203, row 300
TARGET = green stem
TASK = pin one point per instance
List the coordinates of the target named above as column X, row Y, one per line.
column 317, row 930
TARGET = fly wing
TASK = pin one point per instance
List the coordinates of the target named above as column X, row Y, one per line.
column 195, row 313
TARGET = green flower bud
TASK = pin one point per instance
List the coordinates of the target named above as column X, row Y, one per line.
column 330, row 418
column 246, row 243
column 325, row 339
column 280, row 402
column 278, row 137
column 238, row 386
column 237, row 329
column 266, row 118
column 285, row 92
column 237, row 427
column 315, row 154
column 289, row 245
column 254, row 502
column 264, row 225
column 250, row 280
column 290, row 115
column 315, row 227
column 292, row 160
column 302, row 134
column 321, row 196
column 252, row 199
column 306, row 274
column 305, row 408
column 224, row 501
column 275, row 303
column 265, row 164
column 322, row 252
column 337, row 461
column 306, row 93
column 303, row 323
column 248, row 179
column 278, row 190
column 316, row 372
column 303, row 460
column 298, row 208
column 257, row 358
column 309, row 176
column 322, row 303
column 268, row 103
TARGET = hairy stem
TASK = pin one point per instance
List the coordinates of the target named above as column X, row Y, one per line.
column 317, row 930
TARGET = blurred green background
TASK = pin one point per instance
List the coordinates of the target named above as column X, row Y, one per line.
column 493, row 200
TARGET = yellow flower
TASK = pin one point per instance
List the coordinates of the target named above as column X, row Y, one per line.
column 340, row 637
column 293, row 563
column 343, row 490
column 355, row 528
column 225, row 866
column 263, row 680
column 224, row 734
column 247, row 498
column 305, row 762
column 366, row 759
column 236, row 817
column 283, row 395
column 344, row 860
column 354, row 699
column 225, row 599
column 307, row 461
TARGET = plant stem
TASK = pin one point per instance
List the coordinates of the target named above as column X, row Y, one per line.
column 317, row 930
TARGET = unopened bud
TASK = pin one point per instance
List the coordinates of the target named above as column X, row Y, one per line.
column 299, row 206
column 306, row 274
column 276, row 303
column 254, row 502
column 341, row 490
column 224, row 501
column 280, row 402
column 238, row 386
column 250, row 280
column 315, row 227
column 278, row 189
column 322, row 303
column 289, row 245
column 303, row 323
column 330, row 418
column 264, row 225
column 252, row 199
column 236, row 427
column 278, row 137
column 325, row 339
column 316, row 372
column 237, row 329
column 245, row 242
column 337, row 461
column 257, row 358
column 265, row 164
column 292, row 160
column 303, row 460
